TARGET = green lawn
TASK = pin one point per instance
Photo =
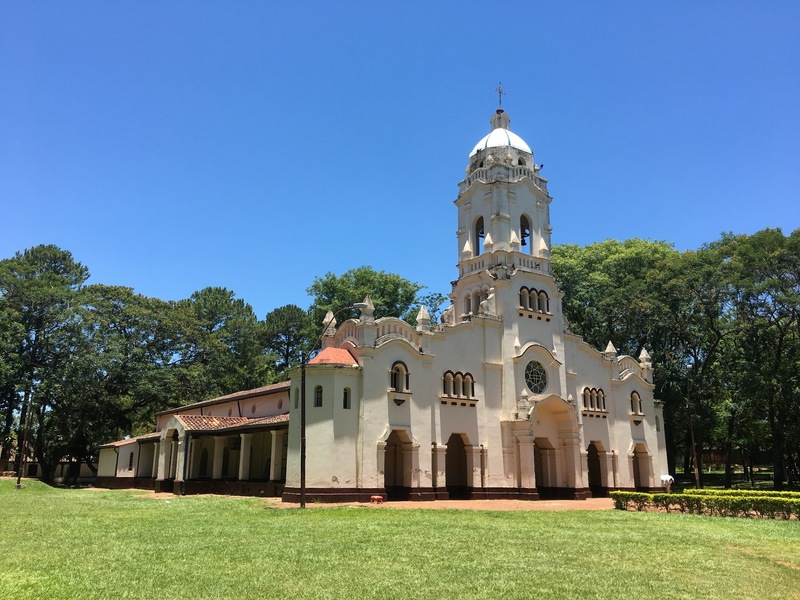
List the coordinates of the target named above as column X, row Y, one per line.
column 86, row 544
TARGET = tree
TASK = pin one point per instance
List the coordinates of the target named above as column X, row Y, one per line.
column 391, row 294
column 40, row 294
column 223, row 348
column 765, row 305
column 608, row 290
column 432, row 303
column 285, row 335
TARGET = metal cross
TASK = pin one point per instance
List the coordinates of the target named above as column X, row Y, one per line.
column 500, row 93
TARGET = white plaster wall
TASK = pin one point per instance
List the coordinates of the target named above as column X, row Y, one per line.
column 107, row 462
column 125, row 452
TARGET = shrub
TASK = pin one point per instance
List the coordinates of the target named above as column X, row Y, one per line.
column 723, row 505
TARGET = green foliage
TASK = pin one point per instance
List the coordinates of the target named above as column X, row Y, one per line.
column 715, row 503
column 92, row 363
column 391, row 294
column 285, row 335
column 730, row 310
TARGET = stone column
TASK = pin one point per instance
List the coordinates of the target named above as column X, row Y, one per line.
column 216, row 468
column 606, row 473
column 154, row 466
column 440, row 472
column 276, row 454
column 173, row 458
column 411, row 465
column 527, row 470
column 180, row 458
column 162, row 459
column 381, row 464
column 244, row 456
column 473, row 466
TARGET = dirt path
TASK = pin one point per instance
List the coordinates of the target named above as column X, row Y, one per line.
column 590, row 504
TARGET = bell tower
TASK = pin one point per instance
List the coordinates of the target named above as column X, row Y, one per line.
column 503, row 218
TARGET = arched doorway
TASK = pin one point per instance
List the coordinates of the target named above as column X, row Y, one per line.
column 641, row 468
column 456, row 468
column 544, row 465
column 396, row 469
column 595, row 476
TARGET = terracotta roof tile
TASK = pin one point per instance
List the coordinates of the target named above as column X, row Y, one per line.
column 131, row 440
column 207, row 423
column 334, row 356
column 284, row 418
column 266, row 390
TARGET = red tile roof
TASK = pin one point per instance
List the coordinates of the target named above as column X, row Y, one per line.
column 334, row 356
column 274, row 388
column 206, row 423
column 131, row 440
column 203, row 423
column 269, row 420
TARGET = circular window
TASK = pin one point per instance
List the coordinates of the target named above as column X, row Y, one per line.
column 536, row 377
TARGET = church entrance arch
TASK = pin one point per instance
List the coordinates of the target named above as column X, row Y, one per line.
column 557, row 451
column 456, row 467
column 397, row 466
column 595, row 473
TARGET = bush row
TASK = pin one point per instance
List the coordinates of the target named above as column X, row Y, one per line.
column 765, row 507
column 748, row 493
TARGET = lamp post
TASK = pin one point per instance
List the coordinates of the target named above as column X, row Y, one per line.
column 691, row 425
column 328, row 322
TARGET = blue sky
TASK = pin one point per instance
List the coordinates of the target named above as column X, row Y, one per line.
column 172, row 146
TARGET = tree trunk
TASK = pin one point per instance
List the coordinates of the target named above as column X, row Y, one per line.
column 729, row 453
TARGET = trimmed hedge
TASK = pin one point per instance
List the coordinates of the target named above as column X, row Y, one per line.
column 749, row 493
column 707, row 503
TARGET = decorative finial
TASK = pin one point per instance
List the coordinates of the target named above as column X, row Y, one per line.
column 500, row 94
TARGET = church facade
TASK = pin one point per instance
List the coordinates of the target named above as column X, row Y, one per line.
column 498, row 400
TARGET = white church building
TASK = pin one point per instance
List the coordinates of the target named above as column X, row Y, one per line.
column 497, row 401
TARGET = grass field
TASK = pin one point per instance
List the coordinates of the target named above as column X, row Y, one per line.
column 60, row 543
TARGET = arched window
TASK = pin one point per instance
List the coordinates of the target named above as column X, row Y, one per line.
column 130, row 461
column 544, row 302
column 521, row 161
column 476, row 301
column 523, row 297
column 346, row 399
column 636, row 403
column 467, row 304
column 601, row 400
column 447, row 384
column 586, row 396
column 318, row 396
column 458, row 388
column 593, row 399
column 398, row 377
column 479, row 235
column 524, row 229
column 533, row 300
column 469, row 386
